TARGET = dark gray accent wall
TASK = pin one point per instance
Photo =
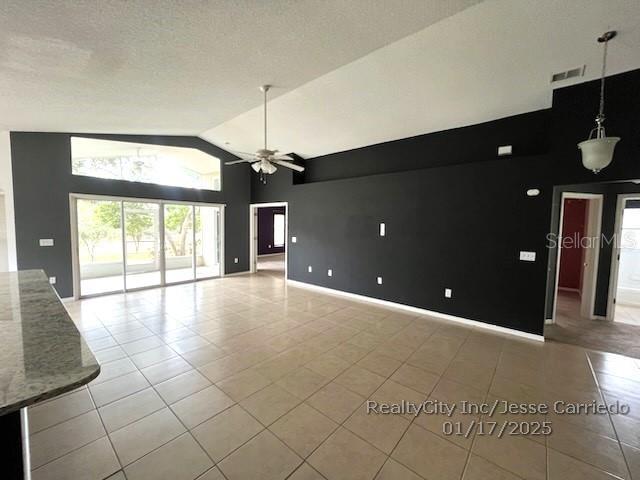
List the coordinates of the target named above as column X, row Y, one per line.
column 42, row 182
column 265, row 230
column 527, row 133
column 461, row 219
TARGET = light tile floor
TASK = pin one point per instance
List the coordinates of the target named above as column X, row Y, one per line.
column 245, row 378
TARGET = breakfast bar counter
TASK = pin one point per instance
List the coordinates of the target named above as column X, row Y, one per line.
column 42, row 355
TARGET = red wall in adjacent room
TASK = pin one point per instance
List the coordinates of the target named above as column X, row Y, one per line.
column 573, row 227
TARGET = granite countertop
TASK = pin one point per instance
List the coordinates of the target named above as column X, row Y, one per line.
column 42, row 353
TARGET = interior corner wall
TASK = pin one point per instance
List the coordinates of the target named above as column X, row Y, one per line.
column 8, row 242
column 42, row 181
column 459, row 215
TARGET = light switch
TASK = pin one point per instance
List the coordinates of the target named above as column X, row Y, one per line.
column 294, row 239
column 310, row 269
column 235, row 260
column 382, row 230
column 329, row 273
column 448, row 293
column 379, row 280
column 46, row 242
column 527, row 256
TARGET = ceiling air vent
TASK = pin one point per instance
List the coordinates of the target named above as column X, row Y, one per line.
column 574, row 72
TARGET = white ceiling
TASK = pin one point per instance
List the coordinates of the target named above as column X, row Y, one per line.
column 346, row 74
column 489, row 61
column 181, row 67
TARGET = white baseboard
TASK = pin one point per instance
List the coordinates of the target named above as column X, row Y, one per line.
column 237, row 273
column 422, row 311
column 265, row 255
column 549, row 321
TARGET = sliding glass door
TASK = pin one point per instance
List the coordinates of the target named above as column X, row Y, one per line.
column 99, row 245
column 142, row 244
column 178, row 242
column 127, row 244
column 207, row 241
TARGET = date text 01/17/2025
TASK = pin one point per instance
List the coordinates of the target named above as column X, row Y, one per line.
column 500, row 429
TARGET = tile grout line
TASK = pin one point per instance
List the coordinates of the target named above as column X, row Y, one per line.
column 341, row 425
column 613, row 426
column 486, row 396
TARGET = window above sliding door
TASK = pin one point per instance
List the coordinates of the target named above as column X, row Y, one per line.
column 146, row 163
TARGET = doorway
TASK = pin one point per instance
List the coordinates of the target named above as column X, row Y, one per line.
column 268, row 238
column 624, row 306
column 124, row 244
column 578, row 254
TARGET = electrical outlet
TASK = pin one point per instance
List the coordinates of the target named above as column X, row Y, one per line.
column 383, row 230
column 329, row 273
column 379, row 280
column 52, row 280
column 294, row 239
column 235, row 260
column 309, row 269
column 527, row 256
column 448, row 293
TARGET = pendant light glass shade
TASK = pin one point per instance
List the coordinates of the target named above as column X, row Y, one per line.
column 597, row 153
column 597, row 150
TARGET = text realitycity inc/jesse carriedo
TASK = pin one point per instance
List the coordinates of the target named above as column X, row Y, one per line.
column 497, row 407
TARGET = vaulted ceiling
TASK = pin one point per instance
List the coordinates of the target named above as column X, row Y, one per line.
column 181, row 67
column 345, row 74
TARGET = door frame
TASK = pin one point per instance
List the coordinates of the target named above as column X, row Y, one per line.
column 599, row 199
column 75, row 244
column 253, row 235
column 621, row 201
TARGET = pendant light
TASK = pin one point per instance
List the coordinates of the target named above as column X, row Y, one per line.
column 597, row 150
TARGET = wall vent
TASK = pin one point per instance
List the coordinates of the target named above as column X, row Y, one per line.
column 566, row 75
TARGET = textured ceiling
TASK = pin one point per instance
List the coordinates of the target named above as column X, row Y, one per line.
column 489, row 61
column 346, row 74
column 168, row 66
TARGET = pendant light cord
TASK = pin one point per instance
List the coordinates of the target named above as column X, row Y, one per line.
column 604, row 69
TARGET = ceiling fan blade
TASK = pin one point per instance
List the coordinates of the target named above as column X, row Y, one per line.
column 244, row 160
column 242, row 154
column 283, row 157
column 290, row 165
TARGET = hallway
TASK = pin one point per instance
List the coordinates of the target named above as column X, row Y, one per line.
column 570, row 327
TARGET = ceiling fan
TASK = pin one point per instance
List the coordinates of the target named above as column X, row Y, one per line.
column 264, row 161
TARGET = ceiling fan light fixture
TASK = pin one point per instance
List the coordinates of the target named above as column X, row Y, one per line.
column 597, row 150
column 268, row 167
column 264, row 161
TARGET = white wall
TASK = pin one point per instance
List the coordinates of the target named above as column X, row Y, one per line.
column 8, row 230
